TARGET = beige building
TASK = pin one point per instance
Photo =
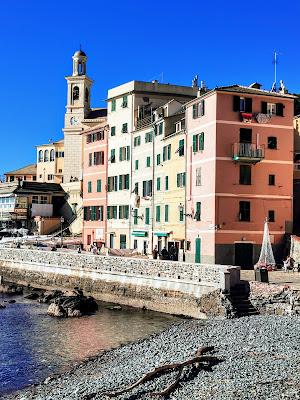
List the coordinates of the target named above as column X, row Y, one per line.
column 27, row 173
column 50, row 162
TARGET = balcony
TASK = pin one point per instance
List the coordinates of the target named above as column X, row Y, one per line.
column 144, row 122
column 250, row 153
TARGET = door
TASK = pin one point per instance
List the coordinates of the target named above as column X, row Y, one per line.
column 243, row 255
column 122, row 241
column 111, row 240
column 198, row 250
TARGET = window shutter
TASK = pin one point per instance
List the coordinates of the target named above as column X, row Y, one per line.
column 116, row 183
column 135, row 221
column 164, row 153
column 198, row 211
column 194, row 111
column 183, row 178
column 248, row 104
column 195, row 147
column 166, row 213
column 264, row 107
column 169, row 152
column 120, row 182
column 120, row 154
column 158, row 184
column 147, row 216
column 167, row 183
column 144, row 188
column 178, row 180
column 108, row 212
column 279, row 109
column 236, row 103
column 127, row 181
column 128, row 153
column 201, row 141
column 202, row 108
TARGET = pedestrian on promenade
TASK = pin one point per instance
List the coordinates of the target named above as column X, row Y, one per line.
column 155, row 253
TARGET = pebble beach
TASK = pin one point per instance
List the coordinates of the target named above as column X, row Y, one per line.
column 258, row 359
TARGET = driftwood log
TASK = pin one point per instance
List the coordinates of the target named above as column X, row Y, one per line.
column 199, row 360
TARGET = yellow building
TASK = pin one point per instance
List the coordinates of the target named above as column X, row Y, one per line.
column 27, row 173
column 50, row 162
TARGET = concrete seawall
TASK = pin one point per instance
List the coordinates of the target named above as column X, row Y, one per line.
column 171, row 287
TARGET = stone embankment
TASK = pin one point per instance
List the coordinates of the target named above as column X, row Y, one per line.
column 259, row 357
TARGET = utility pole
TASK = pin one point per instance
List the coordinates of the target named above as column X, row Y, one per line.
column 62, row 220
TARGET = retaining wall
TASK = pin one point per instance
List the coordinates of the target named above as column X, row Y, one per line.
column 172, row 287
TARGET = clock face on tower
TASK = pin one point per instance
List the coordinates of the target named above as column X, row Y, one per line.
column 74, row 121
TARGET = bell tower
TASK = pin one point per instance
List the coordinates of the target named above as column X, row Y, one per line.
column 77, row 109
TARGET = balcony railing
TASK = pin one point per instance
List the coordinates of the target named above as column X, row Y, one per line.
column 143, row 123
column 248, row 152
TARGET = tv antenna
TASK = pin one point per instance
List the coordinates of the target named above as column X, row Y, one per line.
column 275, row 62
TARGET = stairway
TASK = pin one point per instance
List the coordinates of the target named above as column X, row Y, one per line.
column 239, row 297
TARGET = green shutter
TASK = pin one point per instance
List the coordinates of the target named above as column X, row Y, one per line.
column 198, row 211
column 157, row 159
column 127, row 181
column 169, row 152
column 135, row 217
column 99, row 185
column 136, row 164
column 201, row 141
column 120, row 155
column 128, row 153
column 89, row 187
column 148, row 162
column 183, row 179
column 164, row 153
column 157, row 213
column 181, row 216
column 166, row 183
column 108, row 212
column 147, row 216
column 166, row 213
column 113, row 131
column 116, row 183
column 139, row 141
column 178, row 180
column 195, row 144
column 113, row 105
column 121, row 182
column 101, row 213
column 158, row 184
column 194, row 111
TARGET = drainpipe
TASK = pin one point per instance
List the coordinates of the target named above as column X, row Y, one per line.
column 185, row 193
column 153, row 185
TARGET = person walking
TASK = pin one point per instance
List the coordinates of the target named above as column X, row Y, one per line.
column 154, row 253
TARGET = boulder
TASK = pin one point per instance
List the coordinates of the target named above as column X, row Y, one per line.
column 32, row 296
column 11, row 288
column 2, row 306
column 72, row 306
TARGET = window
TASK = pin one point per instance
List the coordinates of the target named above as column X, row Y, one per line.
column 157, row 159
column 125, row 128
column 137, row 141
column 272, row 108
column 166, row 183
column 136, row 188
column 136, row 165
column 181, row 148
column 90, row 159
column 125, row 102
column 167, row 152
column 245, row 135
column 123, row 212
column 99, row 185
column 89, row 187
column 245, row 174
column 122, row 241
column 52, row 155
column 43, row 200
column 242, row 104
column 181, row 214
column 244, row 214
column 166, row 213
column 198, row 177
column 35, row 199
column 271, row 216
column 198, row 142
column 148, row 161
column 95, row 137
column 272, row 142
column 135, row 244
column 50, row 177
column 113, row 156
column 124, row 153
column 135, row 216
column 158, row 184
column 113, row 105
column 198, row 211
column 198, row 109
column 41, row 156
column 113, row 131
column 272, row 180
column 157, row 214
column 46, row 156
column 98, row 158
column 181, row 179
column 180, row 125
column 148, row 137
column 75, row 93
column 147, row 188
column 112, row 183
column 124, row 182
column 112, row 212
column 160, row 128
column 147, row 216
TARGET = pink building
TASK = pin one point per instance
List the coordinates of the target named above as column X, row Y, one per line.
column 94, row 185
column 239, row 172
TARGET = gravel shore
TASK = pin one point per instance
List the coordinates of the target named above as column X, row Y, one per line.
column 260, row 360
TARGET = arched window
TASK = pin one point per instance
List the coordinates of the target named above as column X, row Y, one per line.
column 41, row 156
column 46, row 156
column 75, row 93
column 52, row 155
column 86, row 95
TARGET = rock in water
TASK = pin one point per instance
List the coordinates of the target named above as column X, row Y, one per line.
column 72, row 306
column 32, row 296
column 2, row 306
column 11, row 289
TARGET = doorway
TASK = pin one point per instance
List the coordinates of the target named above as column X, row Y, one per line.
column 111, row 240
column 197, row 250
column 243, row 255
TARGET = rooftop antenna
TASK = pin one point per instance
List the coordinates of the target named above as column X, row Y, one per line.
column 275, row 62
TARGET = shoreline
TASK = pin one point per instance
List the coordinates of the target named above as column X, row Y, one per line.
column 256, row 363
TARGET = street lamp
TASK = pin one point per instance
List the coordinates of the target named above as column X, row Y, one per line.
column 62, row 220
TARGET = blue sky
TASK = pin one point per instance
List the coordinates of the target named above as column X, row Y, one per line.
column 223, row 42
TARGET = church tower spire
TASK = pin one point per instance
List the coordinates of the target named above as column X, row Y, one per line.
column 79, row 63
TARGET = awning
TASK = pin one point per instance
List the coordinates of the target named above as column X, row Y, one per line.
column 162, row 234
column 139, row 233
